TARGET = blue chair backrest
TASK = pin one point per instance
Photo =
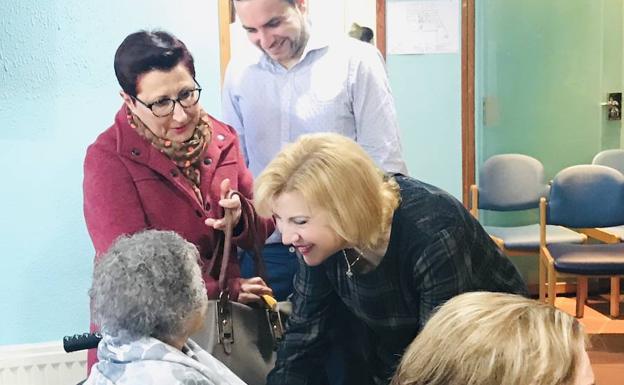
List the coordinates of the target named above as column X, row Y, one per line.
column 511, row 182
column 610, row 158
column 586, row 196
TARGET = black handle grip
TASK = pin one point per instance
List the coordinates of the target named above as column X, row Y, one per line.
column 81, row 341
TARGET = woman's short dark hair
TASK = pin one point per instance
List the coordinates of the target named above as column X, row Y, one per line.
column 144, row 51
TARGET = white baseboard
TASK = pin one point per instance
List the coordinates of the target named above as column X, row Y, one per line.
column 41, row 364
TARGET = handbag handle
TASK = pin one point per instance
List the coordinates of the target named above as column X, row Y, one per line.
column 222, row 250
column 227, row 247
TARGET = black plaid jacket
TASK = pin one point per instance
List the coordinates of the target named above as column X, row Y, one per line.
column 436, row 251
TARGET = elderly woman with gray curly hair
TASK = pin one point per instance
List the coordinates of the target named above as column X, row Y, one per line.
column 148, row 295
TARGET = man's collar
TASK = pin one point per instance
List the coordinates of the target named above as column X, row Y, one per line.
column 316, row 41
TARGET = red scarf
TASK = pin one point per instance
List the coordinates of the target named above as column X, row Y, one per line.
column 186, row 155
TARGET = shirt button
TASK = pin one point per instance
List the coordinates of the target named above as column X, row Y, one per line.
column 136, row 152
column 291, row 249
column 220, row 137
column 207, row 161
column 174, row 173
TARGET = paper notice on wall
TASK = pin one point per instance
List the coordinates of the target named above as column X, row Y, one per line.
column 417, row 27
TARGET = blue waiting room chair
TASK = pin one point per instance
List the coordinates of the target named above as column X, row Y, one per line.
column 512, row 182
column 615, row 159
column 581, row 197
column 611, row 158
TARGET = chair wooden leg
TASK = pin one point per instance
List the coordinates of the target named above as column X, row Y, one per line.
column 552, row 285
column 542, row 280
column 614, row 306
column 581, row 295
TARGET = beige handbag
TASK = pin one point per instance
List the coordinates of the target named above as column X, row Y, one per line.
column 243, row 337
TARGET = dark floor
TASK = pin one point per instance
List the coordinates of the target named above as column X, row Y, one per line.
column 606, row 336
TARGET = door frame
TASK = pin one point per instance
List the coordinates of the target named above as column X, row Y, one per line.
column 468, row 97
column 226, row 17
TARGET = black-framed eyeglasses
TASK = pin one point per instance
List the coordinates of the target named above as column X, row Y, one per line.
column 164, row 107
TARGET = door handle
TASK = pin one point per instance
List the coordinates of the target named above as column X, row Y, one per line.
column 614, row 105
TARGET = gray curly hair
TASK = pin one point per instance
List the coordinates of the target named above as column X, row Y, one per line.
column 147, row 284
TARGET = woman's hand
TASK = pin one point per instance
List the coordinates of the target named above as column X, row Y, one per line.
column 251, row 289
column 229, row 200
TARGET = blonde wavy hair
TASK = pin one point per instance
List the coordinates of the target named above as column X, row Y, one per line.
column 485, row 338
column 334, row 174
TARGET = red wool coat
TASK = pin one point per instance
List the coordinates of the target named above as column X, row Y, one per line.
column 129, row 185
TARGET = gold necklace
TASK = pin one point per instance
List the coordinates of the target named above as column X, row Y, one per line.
column 349, row 273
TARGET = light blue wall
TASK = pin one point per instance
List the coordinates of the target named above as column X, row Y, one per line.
column 427, row 90
column 57, row 93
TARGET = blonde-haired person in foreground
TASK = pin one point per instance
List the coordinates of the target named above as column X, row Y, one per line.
column 492, row 339
column 389, row 248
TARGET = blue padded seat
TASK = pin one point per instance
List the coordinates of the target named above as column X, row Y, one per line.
column 599, row 259
column 527, row 237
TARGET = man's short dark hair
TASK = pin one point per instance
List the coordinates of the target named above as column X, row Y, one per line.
column 367, row 35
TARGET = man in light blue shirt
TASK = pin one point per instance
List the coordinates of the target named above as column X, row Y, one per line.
column 301, row 83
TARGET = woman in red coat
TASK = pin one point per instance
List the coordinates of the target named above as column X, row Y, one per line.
column 166, row 164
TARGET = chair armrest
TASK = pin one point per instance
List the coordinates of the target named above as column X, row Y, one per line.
column 499, row 242
column 600, row 235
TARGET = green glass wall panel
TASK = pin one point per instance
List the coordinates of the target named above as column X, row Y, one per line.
column 543, row 68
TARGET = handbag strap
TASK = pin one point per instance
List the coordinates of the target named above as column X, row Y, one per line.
column 227, row 248
column 257, row 256
column 222, row 251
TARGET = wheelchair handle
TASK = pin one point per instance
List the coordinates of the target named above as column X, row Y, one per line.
column 81, row 341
